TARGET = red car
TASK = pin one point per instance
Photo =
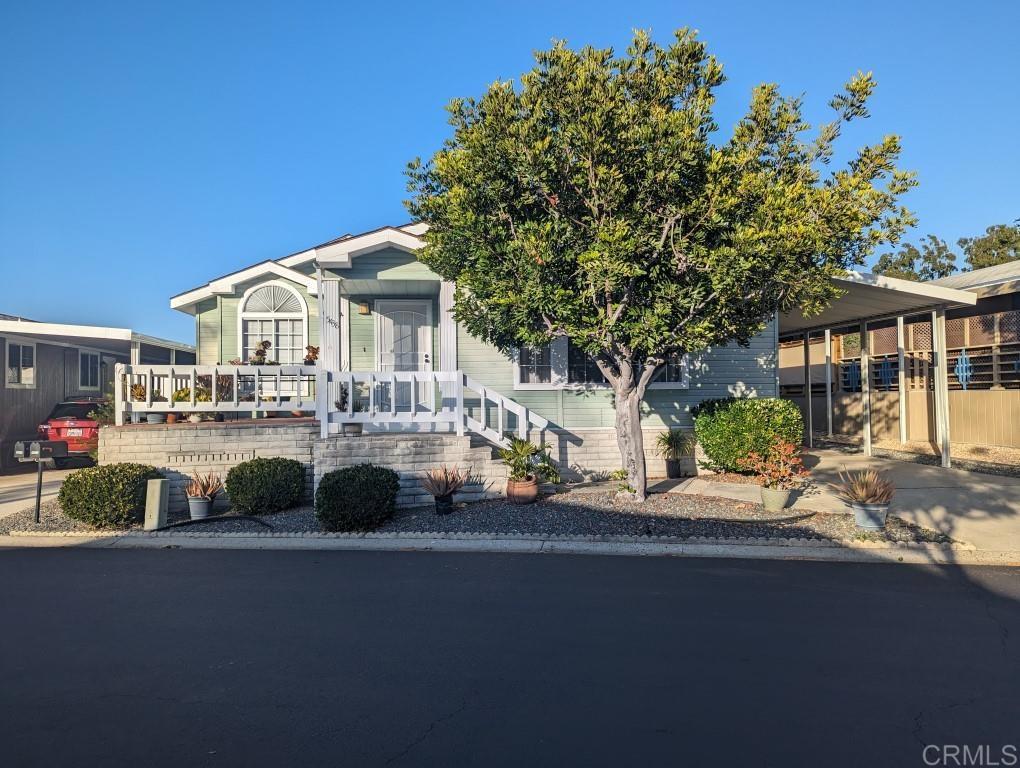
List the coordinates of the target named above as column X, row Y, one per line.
column 70, row 422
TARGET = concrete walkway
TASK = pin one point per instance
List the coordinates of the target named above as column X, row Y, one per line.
column 17, row 492
column 979, row 509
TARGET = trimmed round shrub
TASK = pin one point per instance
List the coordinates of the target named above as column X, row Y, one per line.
column 107, row 496
column 729, row 429
column 358, row 498
column 264, row 486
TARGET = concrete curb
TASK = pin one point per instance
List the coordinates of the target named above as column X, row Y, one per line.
column 786, row 549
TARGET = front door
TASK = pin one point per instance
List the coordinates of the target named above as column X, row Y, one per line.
column 404, row 343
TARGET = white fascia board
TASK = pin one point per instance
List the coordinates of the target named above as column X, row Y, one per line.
column 297, row 259
column 227, row 284
column 417, row 228
column 937, row 293
column 60, row 329
column 155, row 341
column 341, row 254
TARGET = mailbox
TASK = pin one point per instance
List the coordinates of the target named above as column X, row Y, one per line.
column 40, row 450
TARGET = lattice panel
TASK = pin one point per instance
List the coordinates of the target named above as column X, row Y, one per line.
column 883, row 341
column 919, row 336
column 955, row 333
column 1009, row 327
column 851, row 344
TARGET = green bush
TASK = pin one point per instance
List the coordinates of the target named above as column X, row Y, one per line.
column 109, row 496
column 264, row 486
column 358, row 498
column 730, row 429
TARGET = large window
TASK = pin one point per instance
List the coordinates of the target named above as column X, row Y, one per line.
column 562, row 365
column 20, row 365
column 274, row 313
column 88, row 370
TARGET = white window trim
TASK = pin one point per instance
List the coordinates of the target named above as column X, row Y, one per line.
column 560, row 362
column 242, row 315
column 381, row 305
column 35, row 363
column 99, row 371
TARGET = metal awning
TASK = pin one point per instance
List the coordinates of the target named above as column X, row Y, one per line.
column 876, row 297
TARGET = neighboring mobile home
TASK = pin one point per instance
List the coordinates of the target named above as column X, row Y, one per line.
column 46, row 363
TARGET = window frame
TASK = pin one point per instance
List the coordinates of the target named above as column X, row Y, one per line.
column 242, row 316
column 99, row 370
column 8, row 384
column 560, row 364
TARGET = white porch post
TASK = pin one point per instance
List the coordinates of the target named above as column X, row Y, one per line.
column 865, row 387
column 941, row 384
column 828, row 382
column 330, row 321
column 136, row 353
column 451, row 392
column 807, row 390
column 118, row 394
column 901, row 379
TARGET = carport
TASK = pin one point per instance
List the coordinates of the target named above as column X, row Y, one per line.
column 868, row 299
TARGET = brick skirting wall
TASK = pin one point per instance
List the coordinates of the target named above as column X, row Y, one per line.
column 180, row 450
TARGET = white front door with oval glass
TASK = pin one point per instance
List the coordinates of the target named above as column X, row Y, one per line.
column 403, row 342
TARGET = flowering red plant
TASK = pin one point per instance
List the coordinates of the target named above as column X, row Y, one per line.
column 780, row 467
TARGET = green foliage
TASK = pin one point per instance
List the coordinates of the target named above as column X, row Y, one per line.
column 593, row 200
column 104, row 413
column 358, row 498
column 525, row 461
column 935, row 259
column 107, row 496
column 730, row 430
column 264, row 486
column 999, row 244
column 675, row 444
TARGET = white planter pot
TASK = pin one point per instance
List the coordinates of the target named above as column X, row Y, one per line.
column 352, row 428
column 774, row 499
column 870, row 517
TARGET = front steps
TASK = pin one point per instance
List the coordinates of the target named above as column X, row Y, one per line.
column 410, row 455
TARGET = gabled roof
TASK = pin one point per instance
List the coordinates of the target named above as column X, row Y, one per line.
column 337, row 252
column 228, row 283
column 984, row 281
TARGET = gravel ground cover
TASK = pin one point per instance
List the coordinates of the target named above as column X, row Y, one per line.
column 591, row 514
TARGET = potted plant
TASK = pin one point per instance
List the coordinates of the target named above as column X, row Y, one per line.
column 528, row 464
column 258, row 355
column 202, row 491
column 442, row 483
column 349, row 427
column 674, row 445
column 780, row 469
column 159, row 418
column 311, row 354
column 868, row 493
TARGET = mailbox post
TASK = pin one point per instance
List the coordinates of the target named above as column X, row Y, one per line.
column 41, row 452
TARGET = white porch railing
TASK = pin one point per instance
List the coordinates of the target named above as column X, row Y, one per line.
column 387, row 400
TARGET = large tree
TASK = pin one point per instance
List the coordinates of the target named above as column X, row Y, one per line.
column 1000, row 243
column 933, row 260
column 596, row 201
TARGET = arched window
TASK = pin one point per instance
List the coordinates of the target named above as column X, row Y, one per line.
column 276, row 313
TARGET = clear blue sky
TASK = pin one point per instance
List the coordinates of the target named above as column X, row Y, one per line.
column 148, row 147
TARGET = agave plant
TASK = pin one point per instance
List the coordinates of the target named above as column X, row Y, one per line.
column 204, row 486
column 865, row 487
column 444, row 481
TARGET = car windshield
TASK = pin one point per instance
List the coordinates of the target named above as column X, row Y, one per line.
column 73, row 410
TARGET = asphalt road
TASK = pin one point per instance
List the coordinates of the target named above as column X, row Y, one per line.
column 251, row 658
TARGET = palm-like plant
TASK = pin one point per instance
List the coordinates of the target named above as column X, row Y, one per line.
column 527, row 461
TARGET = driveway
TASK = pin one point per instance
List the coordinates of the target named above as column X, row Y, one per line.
column 251, row 658
column 18, row 491
column 980, row 509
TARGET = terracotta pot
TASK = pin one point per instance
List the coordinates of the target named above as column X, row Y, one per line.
column 297, row 414
column 171, row 418
column 522, row 491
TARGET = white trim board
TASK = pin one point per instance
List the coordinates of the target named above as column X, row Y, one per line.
column 227, row 284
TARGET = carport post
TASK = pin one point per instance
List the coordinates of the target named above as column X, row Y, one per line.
column 828, row 381
column 807, row 390
column 938, row 326
column 865, row 387
column 901, row 382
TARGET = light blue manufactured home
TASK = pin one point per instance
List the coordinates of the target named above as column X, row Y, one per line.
column 374, row 310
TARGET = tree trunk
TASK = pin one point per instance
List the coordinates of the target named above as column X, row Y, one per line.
column 630, row 439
